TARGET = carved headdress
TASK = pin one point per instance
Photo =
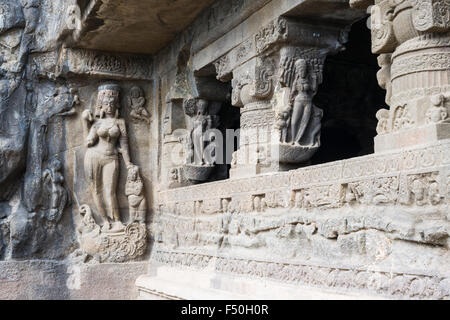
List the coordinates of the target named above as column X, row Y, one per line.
column 106, row 90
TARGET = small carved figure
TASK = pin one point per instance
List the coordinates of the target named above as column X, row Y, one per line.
column 58, row 195
column 88, row 222
column 106, row 139
column 418, row 190
column 433, row 193
column 259, row 204
column 437, row 113
column 383, row 121
column 188, row 148
column 282, row 124
column 134, row 190
column 136, row 102
column 173, row 174
column 401, row 118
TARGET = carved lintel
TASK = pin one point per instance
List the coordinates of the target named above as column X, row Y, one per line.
column 99, row 64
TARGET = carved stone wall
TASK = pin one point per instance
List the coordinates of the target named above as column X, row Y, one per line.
column 90, row 194
column 377, row 224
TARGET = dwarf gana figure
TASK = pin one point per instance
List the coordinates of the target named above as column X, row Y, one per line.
column 134, row 190
column 136, row 102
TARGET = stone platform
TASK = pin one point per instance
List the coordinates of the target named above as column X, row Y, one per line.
column 184, row 284
column 56, row 280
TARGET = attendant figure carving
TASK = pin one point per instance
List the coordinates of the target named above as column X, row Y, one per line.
column 136, row 102
column 134, row 190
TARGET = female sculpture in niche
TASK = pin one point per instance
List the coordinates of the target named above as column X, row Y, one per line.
column 106, row 139
column 304, row 88
column 202, row 123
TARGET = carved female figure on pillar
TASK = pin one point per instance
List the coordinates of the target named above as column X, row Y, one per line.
column 202, row 123
column 304, row 88
column 107, row 137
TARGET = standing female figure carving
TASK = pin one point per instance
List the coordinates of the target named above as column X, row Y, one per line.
column 107, row 137
column 304, row 88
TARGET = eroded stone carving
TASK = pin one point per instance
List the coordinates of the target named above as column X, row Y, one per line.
column 134, row 190
column 58, row 197
column 438, row 112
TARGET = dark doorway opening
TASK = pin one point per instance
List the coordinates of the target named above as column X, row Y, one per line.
column 350, row 97
column 230, row 119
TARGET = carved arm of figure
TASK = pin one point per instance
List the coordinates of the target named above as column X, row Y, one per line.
column 92, row 137
column 88, row 129
column 123, row 141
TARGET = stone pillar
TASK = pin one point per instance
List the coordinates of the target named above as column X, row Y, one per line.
column 413, row 40
column 275, row 75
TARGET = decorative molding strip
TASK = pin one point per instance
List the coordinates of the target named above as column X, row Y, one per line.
column 99, row 64
column 385, row 283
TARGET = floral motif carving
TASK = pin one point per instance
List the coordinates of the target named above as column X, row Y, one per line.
column 431, row 15
column 276, row 31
